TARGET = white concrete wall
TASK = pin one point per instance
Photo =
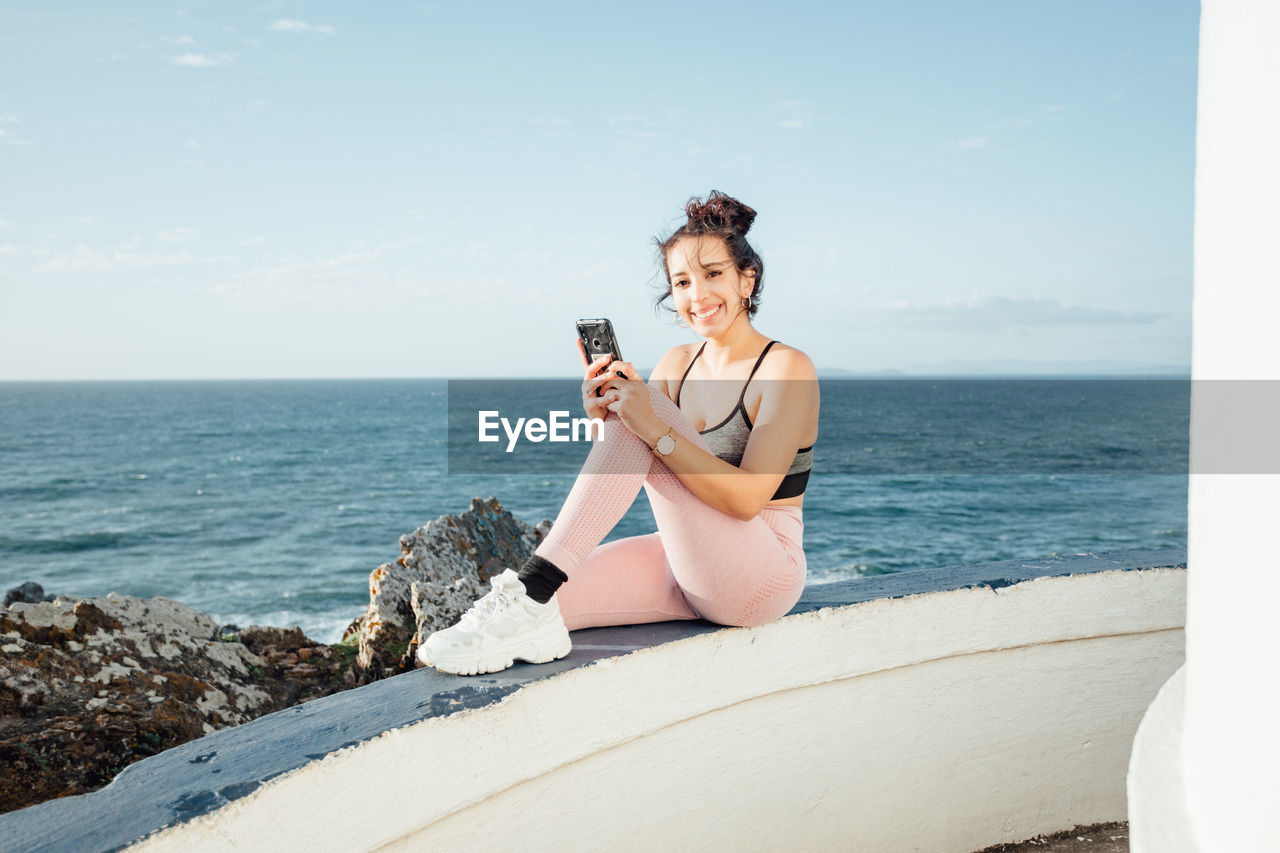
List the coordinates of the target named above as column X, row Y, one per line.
column 1203, row 775
column 1231, row 742
column 946, row 721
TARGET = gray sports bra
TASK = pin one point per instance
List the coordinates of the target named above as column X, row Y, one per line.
column 728, row 439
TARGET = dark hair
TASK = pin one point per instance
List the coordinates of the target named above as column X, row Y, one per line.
column 719, row 216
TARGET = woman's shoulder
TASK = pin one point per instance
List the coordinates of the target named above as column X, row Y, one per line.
column 674, row 361
column 787, row 362
column 667, row 372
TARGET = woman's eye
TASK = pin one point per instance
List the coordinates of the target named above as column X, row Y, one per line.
column 681, row 283
column 713, row 273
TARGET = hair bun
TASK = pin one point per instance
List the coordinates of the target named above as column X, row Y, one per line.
column 720, row 211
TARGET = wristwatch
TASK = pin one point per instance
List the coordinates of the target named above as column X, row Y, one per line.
column 666, row 445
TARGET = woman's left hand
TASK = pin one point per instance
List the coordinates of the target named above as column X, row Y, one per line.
column 629, row 399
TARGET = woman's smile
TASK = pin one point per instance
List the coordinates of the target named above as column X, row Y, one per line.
column 706, row 314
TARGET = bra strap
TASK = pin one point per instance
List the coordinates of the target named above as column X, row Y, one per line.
column 680, row 387
column 743, row 396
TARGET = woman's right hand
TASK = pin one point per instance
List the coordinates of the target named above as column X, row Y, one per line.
column 593, row 379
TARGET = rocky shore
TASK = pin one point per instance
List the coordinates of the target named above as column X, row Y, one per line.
column 90, row 685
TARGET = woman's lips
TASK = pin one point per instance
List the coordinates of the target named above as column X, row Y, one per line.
column 706, row 314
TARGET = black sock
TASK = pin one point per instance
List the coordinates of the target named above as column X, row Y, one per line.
column 541, row 578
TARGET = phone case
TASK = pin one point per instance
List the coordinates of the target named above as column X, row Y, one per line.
column 598, row 338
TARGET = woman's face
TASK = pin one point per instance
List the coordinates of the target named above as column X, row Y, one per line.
column 706, row 287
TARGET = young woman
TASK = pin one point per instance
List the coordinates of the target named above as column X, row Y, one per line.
column 724, row 463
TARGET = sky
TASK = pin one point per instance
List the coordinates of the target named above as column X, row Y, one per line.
column 307, row 190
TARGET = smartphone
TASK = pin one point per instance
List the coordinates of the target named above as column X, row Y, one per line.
column 598, row 339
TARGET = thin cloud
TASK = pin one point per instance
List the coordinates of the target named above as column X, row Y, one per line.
column 204, row 60
column 9, row 134
column 338, row 279
column 178, row 235
column 796, row 114
column 287, row 25
column 632, row 126
column 85, row 259
column 968, row 143
column 996, row 313
column 293, row 272
column 1033, row 117
column 47, row 257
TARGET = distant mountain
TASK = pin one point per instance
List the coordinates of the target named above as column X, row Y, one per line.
column 841, row 373
column 1018, row 367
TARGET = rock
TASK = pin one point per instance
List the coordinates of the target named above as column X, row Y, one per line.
column 88, row 686
column 30, row 592
column 444, row 567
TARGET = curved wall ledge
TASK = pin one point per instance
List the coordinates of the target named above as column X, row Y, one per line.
column 1159, row 821
column 940, row 710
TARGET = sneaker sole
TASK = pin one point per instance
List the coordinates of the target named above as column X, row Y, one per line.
column 553, row 646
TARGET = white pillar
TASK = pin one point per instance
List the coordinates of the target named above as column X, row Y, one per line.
column 1204, row 773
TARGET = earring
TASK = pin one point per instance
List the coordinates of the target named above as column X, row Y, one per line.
column 746, row 303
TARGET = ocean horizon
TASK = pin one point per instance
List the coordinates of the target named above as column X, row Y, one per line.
column 269, row 501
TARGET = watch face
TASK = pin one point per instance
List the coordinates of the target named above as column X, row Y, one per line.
column 666, row 445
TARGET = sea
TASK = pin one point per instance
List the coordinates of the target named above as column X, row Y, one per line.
column 270, row 502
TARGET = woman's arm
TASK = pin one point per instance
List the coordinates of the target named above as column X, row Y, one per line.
column 784, row 416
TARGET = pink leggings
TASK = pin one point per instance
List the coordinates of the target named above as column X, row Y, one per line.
column 701, row 563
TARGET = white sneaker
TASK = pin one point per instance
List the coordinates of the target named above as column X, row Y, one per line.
column 503, row 626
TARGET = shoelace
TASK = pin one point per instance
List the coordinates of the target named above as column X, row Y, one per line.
column 496, row 599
